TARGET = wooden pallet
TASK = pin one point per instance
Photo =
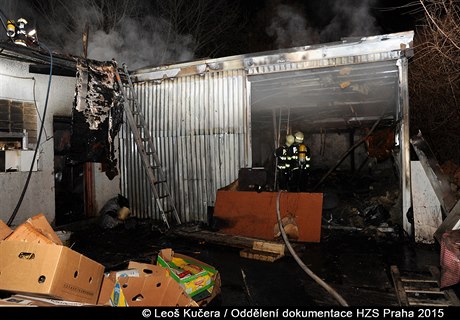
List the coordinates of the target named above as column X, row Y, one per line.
column 421, row 288
column 264, row 251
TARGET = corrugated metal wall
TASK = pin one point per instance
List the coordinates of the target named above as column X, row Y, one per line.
column 200, row 125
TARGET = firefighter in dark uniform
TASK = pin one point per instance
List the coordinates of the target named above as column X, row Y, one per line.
column 283, row 163
column 300, row 156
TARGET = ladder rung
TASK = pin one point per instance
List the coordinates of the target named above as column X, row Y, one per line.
column 142, row 135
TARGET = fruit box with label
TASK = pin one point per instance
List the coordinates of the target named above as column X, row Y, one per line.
column 142, row 285
column 193, row 275
column 49, row 270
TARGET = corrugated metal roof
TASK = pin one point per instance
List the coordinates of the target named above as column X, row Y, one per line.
column 330, row 86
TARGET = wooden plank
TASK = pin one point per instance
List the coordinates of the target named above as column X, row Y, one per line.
column 428, row 302
column 412, row 284
column 259, row 255
column 424, row 290
column 253, row 214
column 277, row 248
column 418, row 280
column 217, row 238
column 400, row 292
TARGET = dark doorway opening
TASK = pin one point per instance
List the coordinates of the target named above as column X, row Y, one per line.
column 68, row 176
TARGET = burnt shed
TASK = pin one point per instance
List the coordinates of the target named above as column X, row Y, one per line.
column 212, row 117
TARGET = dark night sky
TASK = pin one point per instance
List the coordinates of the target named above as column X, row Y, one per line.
column 254, row 26
column 389, row 16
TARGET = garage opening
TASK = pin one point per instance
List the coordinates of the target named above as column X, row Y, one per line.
column 349, row 116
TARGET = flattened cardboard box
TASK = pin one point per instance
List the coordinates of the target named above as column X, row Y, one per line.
column 28, row 301
column 49, row 270
column 5, row 231
column 151, row 287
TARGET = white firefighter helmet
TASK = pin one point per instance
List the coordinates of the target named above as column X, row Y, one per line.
column 289, row 140
column 298, row 137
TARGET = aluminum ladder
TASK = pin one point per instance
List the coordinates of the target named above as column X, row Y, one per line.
column 146, row 149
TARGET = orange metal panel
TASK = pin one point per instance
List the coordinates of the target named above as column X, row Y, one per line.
column 253, row 214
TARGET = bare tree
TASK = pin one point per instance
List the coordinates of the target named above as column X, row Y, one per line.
column 434, row 75
column 207, row 21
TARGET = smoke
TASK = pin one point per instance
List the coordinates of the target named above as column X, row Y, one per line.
column 127, row 31
column 139, row 44
column 289, row 28
column 352, row 18
column 334, row 20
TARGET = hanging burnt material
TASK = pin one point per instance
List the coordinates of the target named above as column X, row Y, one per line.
column 97, row 115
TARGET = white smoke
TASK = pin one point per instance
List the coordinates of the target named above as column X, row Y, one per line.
column 289, row 28
column 351, row 19
column 348, row 18
column 140, row 44
column 138, row 40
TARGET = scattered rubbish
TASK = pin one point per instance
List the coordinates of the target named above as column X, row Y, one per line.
column 375, row 214
column 39, row 269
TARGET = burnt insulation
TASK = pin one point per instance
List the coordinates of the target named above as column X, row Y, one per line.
column 97, row 115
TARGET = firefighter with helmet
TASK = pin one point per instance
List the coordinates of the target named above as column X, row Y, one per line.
column 283, row 163
column 300, row 156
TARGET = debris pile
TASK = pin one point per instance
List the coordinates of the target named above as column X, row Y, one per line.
column 37, row 269
column 363, row 203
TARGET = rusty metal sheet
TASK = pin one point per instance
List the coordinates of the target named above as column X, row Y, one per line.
column 253, row 214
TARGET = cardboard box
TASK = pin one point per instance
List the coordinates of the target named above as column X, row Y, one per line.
column 49, row 270
column 27, row 233
column 5, row 231
column 197, row 278
column 35, row 229
column 40, row 223
column 150, row 285
column 29, row 301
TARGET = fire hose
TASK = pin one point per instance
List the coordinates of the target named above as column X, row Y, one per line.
column 317, row 279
